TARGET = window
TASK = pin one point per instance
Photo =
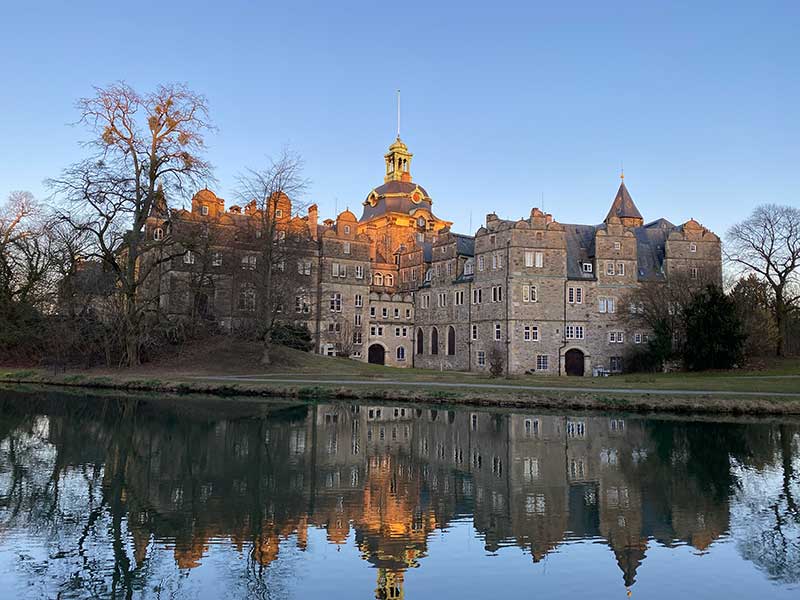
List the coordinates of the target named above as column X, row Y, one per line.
column 377, row 279
column 426, row 300
column 617, row 246
column 420, row 341
column 451, row 341
column 616, row 364
column 450, row 268
column 389, row 280
column 474, row 332
column 477, row 296
column 204, row 211
column 621, row 269
column 357, row 319
column 301, row 304
column 587, row 267
column 442, row 299
column 376, row 330
column 575, row 295
column 247, row 298
column 469, row 267
column 434, row 341
column 573, row 332
column 347, row 230
column 385, row 312
column 497, row 260
column 458, row 297
column 539, row 260
column 693, row 272
column 401, row 353
column 607, row 305
column 158, row 234
column 216, row 259
column 481, row 358
column 609, row 268
column 358, row 338
column 408, row 313
column 692, row 247
column 334, row 327
column 336, row 302
column 188, row 258
column 481, row 263
column 616, row 337
column 346, row 248
column 528, row 258
column 640, row 338
column 359, row 301
column 530, row 333
column 542, row 362
column 304, row 267
column 371, row 311
column 529, row 293
column 497, row 293
column 498, row 332
column 359, row 272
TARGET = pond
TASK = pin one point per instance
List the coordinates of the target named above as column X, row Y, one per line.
column 145, row 497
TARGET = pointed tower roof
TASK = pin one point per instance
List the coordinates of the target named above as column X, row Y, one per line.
column 624, row 208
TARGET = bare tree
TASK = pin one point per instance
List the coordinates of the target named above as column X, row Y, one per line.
column 768, row 244
column 148, row 148
column 269, row 191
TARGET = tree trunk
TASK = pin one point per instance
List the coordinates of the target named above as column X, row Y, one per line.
column 266, row 358
column 780, row 322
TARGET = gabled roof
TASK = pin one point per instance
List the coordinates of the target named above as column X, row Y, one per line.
column 623, row 205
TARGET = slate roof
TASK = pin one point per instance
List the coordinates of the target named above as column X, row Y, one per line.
column 389, row 202
column 465, row 244
column 623, row 205
column 580, row 249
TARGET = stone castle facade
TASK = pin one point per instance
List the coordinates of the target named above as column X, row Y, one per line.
column 398, row 287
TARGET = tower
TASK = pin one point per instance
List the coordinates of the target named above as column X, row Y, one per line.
column 398, row 162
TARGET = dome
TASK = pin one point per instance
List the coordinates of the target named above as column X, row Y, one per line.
column 346, row 215
column 398, row 144
column 205, row 195
column 395, row 196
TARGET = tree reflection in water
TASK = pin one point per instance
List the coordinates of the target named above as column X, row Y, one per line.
column 106, row 485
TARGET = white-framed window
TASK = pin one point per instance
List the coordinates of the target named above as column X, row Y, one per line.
column 609, row 268
column 474, row 332
column 358, row 301
column 425, row 301
column 376, row 330
column 396, row 313
column 617, row 246
column 346, row 247
column 616, row 337
column 477, row 296
column 498, row 332
column 338, row 270
column 377, row 279
column 542, row 362
column 481, row 263
column 587, row 267
column 606, row 305
column 216, row 259
column 158, row 234
column 481, row 356
column 529, row 293
column 401, row 353
column 371, row 311
column 442, row 299
column 358, row 338
column 188, row 258
column 357, row 319
column 530, row 333
column 408, row 313
column 529, row 258
column 497, row 293
column 336, row 302
column 278, row 213
column 347, row 229
column 385, row 312
column 539, row 260
column 458, row 297
column 469, row 267
column 692, row 247
column 401, row 332
column 450, row 267
column 573, row 332
column 497, row 260
column 575, row 295
column 389, row 279
column 204, row 211
column 620, row 269
column 359, row 272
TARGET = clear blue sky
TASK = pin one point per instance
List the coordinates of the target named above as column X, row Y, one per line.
column 502, row 102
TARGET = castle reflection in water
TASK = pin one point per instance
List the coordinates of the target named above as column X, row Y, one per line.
column 260, row 477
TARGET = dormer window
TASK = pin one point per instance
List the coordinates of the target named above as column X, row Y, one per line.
column 204, row 211
column 587, row 267
column 421, row 222
column 158, row 234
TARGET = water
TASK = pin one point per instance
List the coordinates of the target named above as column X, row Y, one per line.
column 152, row 498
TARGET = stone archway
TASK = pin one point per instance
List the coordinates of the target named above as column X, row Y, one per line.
column 574, row 362
column 376, row 354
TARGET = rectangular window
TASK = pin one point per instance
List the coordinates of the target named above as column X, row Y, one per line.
column 359, row 301
column 528, row 258
column 693, row 272
column 497, row 293
column 529, row 293
column 481, row 358
column 371, row 311
column 458, row 298
column 620, row 269
column 498, row 332
column 346, row 248
column 442, row 299
column 481, row 263
column 216, row 259
column 426, row 301
column 357, row 319
column 609, row 268
column 575, row 295
column 474, row 332
column 385, row 312
column 539, row 260
column 637, row 338
column 334, row 269
column 336, row 302
column 616, row 364
column 542, row 362
column 587, row 267
column 692, row 247
column 359, row 272
column 526, row 333
column 477, row 296
column 396, row 313
column 408, row 313
column 616, row 337
column 469, row 267
column 617, row 246
column 357, row 338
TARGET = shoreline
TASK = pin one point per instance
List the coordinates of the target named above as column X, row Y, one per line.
column 503, row 395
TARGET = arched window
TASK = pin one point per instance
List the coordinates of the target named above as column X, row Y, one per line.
column 451, row 340
column 158, row 234
column 389, row 280
column 434, row 340
column 420, row 341
column 401, row 353
column 377, row 279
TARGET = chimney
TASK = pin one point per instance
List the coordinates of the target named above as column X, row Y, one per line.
column 312, row 221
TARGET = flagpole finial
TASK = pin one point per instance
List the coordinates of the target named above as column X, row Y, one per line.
column 398, row 114
column 621, row 171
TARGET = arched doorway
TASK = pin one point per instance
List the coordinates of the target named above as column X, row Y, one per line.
column 420, row 341
column 573, row 362
column 434, row 340
column 451, row 341
column 377, row 354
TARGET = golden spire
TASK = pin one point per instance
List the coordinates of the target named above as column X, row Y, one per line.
column 621, row 171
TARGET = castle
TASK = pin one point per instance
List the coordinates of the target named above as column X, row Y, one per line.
column 396, row 286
